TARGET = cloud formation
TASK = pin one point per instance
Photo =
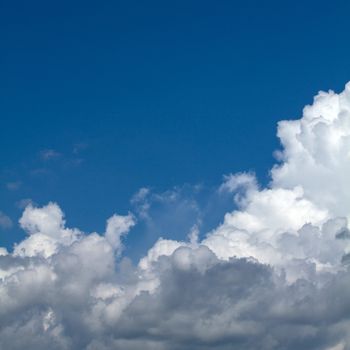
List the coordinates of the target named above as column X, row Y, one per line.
column 273, row 275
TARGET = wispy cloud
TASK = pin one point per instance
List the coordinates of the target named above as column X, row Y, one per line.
column 22, row 203
column 49, row 154
column 13, row 185
column 5, row 221
column 80, row 147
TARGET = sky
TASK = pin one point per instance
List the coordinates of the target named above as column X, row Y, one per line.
column 130, row 95
column 162, row 182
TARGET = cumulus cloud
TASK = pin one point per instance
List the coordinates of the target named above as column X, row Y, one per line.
column 273, row 275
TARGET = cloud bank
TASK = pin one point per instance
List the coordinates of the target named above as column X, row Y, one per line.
column 273, row 275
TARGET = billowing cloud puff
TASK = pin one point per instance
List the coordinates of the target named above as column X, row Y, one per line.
column 273, row 275
column 46, row 230
column 316, row 152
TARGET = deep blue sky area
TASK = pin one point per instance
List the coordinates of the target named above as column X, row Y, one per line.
column 100, row 98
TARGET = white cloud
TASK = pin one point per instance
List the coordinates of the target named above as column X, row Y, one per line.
column 46, row 229
column 316, row 152
column 117, row 226
column 273, row 275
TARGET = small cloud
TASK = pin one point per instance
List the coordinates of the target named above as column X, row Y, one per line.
column 75, row 162
column 5, row 221
column 141, row 202
column 13, row 185
column 49, row 154
column 140, row 195
column 79, row 147
column 233, row 182
column 23, row 203
column 39, row 172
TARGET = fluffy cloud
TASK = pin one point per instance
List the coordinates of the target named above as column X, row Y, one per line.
column 273, row 275
column 46, row 230
column 316, row 152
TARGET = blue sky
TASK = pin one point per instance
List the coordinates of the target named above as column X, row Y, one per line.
column 100, row 99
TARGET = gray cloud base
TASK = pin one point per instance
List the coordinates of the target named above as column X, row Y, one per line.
column 231, row 304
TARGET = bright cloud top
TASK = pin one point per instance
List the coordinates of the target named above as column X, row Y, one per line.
column 273, row 275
